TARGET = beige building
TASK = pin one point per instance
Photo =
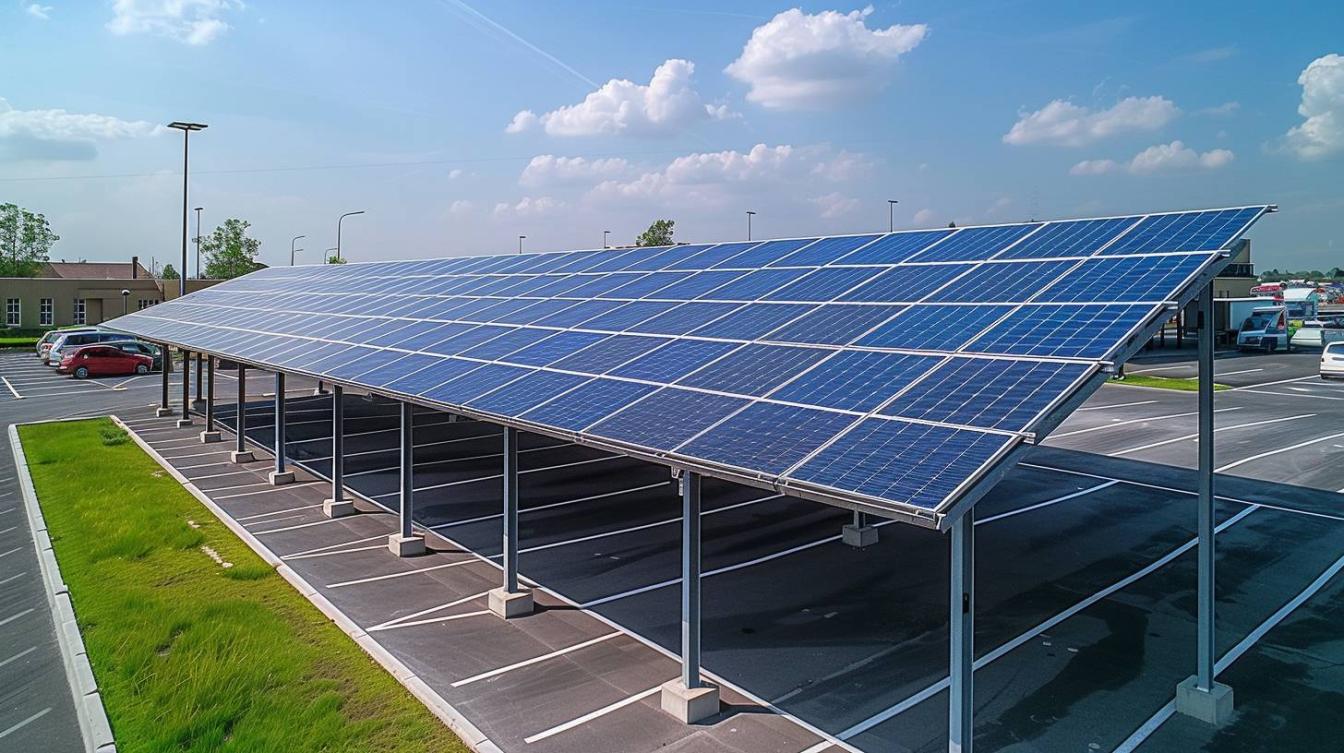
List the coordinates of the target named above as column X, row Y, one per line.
column 66, row 293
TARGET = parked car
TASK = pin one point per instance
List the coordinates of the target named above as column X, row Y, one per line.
column 144, row 349
column 76, row 339
column 103, row 360
column 1332, row 361
column 45, row 343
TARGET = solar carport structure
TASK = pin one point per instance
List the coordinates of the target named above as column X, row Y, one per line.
column 898, row 375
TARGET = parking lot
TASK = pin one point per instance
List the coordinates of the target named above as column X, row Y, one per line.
column 1085, row 605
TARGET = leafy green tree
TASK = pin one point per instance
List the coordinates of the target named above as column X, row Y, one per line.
column 168, row 272
column 229, row 252
column 334, row 259
column 658, row 234
column 25, row 240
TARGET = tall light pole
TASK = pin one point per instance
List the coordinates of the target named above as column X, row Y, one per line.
column 125, row 301
column 749, row 215
column 339, row 220
column 520, row 243
column 186, row 129
column 198, row 242
column 605, row 233
column 291, row 248
column 891, row 214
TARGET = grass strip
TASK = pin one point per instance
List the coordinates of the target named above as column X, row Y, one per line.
column 1183, row 384
column 197, row 644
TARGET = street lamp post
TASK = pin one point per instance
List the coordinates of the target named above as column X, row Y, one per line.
column 891, row 214
column 199, row 274
column 125, row 301
column 291, row 248
column 605, row 233
column 186, row 129
column 749, row 216
column 339, row 220
column 520, row 243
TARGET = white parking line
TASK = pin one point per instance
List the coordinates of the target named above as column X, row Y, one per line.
column 328, row 547
column 1267, row 384
column 11, row 551
column 335, row 552
column 1116, row 424
column 259, row 482
column 18, row 656
column 15, row 576
column 14, row 617
column 430, row 610
column 525, row 510
column 267, row 491
column 433, row 620
column 1188, row 437
column 1297, row 446
column 1115, row 405
column 7, row 530
column 645, row 526
column 445, row 461
column 636, row 698
column 1047, row 503
column 321, row 522
column 12, row 391
column 1236, row 652
column 479, row 479
column 535, row 659
column 402, row 574
column 24, row 723
column 195, row 455
column 275, row 512
column 218, row 475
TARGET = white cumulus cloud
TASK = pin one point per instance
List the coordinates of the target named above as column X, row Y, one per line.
column 835, row 204
column 925, row 217
column 550, row 170
column 61, row 135
column 1177, row 156
column 1321, row 132
column 798, row 60
column 1062, row 123
column 665, row 105
column 39, row 11
column 528, row 206
column 1094, row 167
column 194, row 22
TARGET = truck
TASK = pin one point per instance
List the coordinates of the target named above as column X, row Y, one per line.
column 1265, row 329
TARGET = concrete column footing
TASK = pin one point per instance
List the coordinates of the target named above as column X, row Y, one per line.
column 241, row 457
column 337, row 508
column 280, row 478
column 1213, row 706
column 183, row 423
column 858, row 536
column 210, row 436
column 689, row 705
column 406, row 546
column 511, row 604
column 163, row 412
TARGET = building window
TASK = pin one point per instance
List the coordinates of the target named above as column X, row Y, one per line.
column 79, row 311
column 145, row 303
column 13, row 312
column 44, row 312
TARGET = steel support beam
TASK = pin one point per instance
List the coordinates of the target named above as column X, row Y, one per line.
column 240, row 452
column 198, row 379
column 404, row 543
column 280, row 475
column 337, row 505
column 689, row 698
column 961, row 619
column 210, row 434
column 167, row 363
column 509, row 600
column 185, row 420
column 1201, row 695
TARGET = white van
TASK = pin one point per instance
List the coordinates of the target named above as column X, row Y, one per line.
column 1265, row 329
column 1332, row 361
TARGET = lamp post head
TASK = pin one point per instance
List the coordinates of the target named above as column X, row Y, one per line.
column 125, row 292
column 181, row 126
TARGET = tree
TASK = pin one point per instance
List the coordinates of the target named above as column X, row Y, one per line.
column 25, row 240
column 229, row 252
column 334, row 259
column 168, row 272
column 658, row 234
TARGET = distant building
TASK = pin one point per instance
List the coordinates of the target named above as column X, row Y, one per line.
column 83, row 292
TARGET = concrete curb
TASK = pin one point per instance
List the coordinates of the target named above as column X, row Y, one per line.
column 93, row 724
column 459, row 724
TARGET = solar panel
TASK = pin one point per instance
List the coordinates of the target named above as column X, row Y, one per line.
column 892, row 370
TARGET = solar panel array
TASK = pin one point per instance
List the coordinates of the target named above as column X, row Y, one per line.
column 889, row 369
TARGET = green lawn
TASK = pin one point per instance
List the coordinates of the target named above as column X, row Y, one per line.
column 19, row 341
column 192, row 655
column 1185, row 384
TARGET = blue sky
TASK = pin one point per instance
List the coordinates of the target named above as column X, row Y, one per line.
column 460, row 126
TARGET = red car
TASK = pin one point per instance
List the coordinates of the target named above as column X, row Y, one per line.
column 103, row 360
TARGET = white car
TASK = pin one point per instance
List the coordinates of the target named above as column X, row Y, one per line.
column 1332, row 361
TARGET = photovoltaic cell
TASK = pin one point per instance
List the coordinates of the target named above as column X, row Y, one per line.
column 927, row 327
column 987, row 392
column 753, row 369
column 834, row 324
column 553, row 348
column 609, row 353
column 587, row 404
column 767, row 437
column 901, row 284
column 522, row 395
column 421, row 381
column 753, row 320
column 696, row 285
column 1187, row 231
column 666, row 418
column 893, row 248
column 753, row 285
column 684, row 318
column 765, row 253
column 824, row 251
column 1125, row 278
column 1069, row 331
column 459, row 390
column 856, row 380
column 673, row 360
column 1004, row 283
column 823, row 284
column 976, row 243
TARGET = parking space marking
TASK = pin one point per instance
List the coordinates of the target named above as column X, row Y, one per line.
column 432, row 620
column 402, row 574
column 271, row 490
column 1006, row 648
column 18, row 656
column 24, row 723
column 430, row 610
column 14, row 617
column 200, row 465
column 1236, row 652
column 1311, row 395
column 239, row 486
column 645, row 526
column 1047, row 503
column 1115, row 405
column 335, row 552
column 463, row 459
column 1289, row 448
column 299, row 554
column 194, row 479
column 13, row 577
column 478, row 479
column 636, row 698
column 321, row 522
column 1268, row 384
column 196, row 455
column 7, row 530
column 1129, row 422
column 11, row 551
column 535, row 659
column 1188, row 437
column 536, row 508
column 274, row 512
column 12, row 391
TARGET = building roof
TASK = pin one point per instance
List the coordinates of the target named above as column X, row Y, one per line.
column 95, row 270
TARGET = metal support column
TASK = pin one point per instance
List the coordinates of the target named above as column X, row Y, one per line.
column 280, row 475
column 1200, row 695
column 690, row 699
column 167, row 362
column 210, row 434
column 337, row 505
column 961, row 619
column 404, row 543
column 240, row 452
column 185, row 420
column 860, row 532
column 510, row 600
column 198, row 400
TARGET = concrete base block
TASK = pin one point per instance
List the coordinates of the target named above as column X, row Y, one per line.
column 280, row 478
column 1212, row 706
column 163, row 412
column 406, row 546
column 198, row 404
column 509, row 605
column 210, row 436
column 337, row 508
column 183, row 423
column 241, row 457
column 690, row 705
column 858, row 536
